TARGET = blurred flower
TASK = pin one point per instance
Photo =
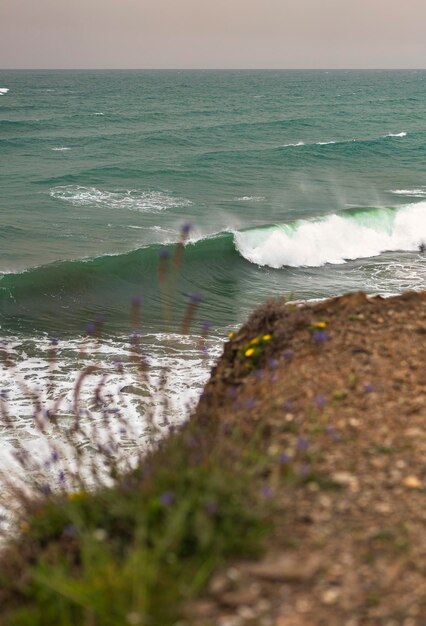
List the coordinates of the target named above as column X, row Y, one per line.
column 267, row 337
column 288, row 405
column 288, row 354
column 302, row 443
column 267, row 492
column 284, row 458
column 231, row 335
column 248, row 353
column 167, row 498
column 320, row 401
column 368, row 388
column 100, row 534
column 320, row 336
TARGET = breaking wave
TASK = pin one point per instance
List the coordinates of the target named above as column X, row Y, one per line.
column 336, row 238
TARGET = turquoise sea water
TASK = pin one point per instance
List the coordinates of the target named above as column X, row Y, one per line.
column 309, row 183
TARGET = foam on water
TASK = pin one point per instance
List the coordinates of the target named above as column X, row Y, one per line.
column 4, row 91
column 335, row 238
column 133, row 200
column 415, row 193
column 401, row 134
column 61, row 149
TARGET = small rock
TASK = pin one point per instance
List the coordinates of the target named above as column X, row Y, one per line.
column 286, row 568
column 346, row 480
column 330, row 596
column 236, row 599
column 412, row 482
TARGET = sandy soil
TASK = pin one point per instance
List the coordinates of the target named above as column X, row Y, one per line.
column 337, row 398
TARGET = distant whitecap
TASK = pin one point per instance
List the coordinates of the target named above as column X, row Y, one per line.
column 133, row 200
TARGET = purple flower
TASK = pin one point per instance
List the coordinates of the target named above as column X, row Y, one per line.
column 320, row 336
column 45, row 489
column 273, row 363
column 332, row 433
column 267, row 492
column 288, row 355
column 368, row 387
column 302, row 443
column 303, row 470
column 69, row 531
column 194, row 298
column 320, row 401
column 258, row 374
column 54, row 457
column 61, row 476
column 211, row 507
column 250, row 403
column 288, row 405
column 164, row 254
column 284, row 458
column 167, row 498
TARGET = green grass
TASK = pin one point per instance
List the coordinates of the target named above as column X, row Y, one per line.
column 135, row 552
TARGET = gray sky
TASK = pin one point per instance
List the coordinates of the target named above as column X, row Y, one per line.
column 212, row 33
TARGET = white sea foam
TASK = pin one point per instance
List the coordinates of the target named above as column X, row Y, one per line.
column 250, row 198
column 415, row 193
column 325, row 143
column 61, row 149
column 4, row 91
column 335, row 238
column 133, row 200
column 401, row 134
column 294, row 145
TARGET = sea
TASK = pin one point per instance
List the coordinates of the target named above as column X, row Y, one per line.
column 293, row 184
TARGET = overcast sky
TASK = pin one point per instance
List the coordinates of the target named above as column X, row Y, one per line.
column 212, row 33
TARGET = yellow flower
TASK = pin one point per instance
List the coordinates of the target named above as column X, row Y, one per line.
column 231, row 335
column 249, row 352
column 77, row 495
column 254, row 341
column 267, row 337
column 24, row 526
column 319, row 325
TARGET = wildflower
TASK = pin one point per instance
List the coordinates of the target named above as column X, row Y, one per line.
column 186, row 228
column 211, row 507
column 250, row 404
column 320, row 401
column 167, row 498
column 288, row 405
column 248, row 353
column 267, row 492
column 332, row 433
column 24, row 526
column 100, row 534
column 267, row 337
column 319, row 326
column 320, row 336
column 288, row 355
column 76, row 496
column 368, row 388
column 273, row 363
column 302, row 444
column 303, row 470
column 231, row 335
column 284, row 458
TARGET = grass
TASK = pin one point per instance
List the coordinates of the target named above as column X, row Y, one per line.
column 96, row 539
column 133, row 553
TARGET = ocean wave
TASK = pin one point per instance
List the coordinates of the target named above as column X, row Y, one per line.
column 335, row 238
column 415, row 193
column 4, row 91
column 294, row 145
column 401, row 134
column 133, row 200
column 60, row 149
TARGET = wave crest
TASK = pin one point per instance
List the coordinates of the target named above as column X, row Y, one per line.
column 336, row 238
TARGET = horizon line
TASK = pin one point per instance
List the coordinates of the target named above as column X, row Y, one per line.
column 213, row 69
